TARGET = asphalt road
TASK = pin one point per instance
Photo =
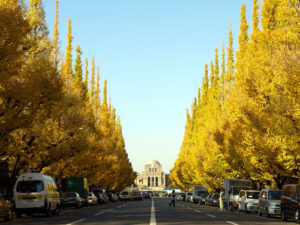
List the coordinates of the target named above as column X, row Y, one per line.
column 154, row 211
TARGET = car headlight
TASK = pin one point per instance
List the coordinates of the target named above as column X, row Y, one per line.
column 273, row 205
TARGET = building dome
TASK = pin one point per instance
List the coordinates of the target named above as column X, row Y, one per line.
column 152, row 162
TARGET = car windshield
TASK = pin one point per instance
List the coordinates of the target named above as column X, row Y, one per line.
column 68, row 194
column 124, row 193
column 236, row 190
column 199, row 193
column 204, row 194
column 98, row 191
column 253, row 195
column 274, row 195
column 28, row 186
column 91, row 194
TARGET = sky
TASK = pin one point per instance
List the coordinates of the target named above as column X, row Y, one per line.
column 152, row 54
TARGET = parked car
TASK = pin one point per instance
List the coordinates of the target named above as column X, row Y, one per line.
column 36, row 193
column 214, row 200
column 98, row 196
column 124, row 195
column 78, row 185
column 113, row 197
column 248, row 201
column 208, row 198
column 269, row 202
column 71, row 199
column 187, row 196
column 101, row 195
column 137, row 195
column 146, row 195
column 190, row 198
column 92, row 199
column 290, row 202
column 180, row 196
column 202, row 198
column 6, row 206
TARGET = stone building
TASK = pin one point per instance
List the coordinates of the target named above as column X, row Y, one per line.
column 153, row 178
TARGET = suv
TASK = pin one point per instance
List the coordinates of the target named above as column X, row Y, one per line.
column 269, row 202
column 290, row 202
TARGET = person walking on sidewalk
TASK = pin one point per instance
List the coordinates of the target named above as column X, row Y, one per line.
column 221, row 200
column 172, row 199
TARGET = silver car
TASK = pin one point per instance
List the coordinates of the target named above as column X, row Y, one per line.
column 269, row 202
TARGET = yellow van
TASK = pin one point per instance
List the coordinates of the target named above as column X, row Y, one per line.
column 36, row 193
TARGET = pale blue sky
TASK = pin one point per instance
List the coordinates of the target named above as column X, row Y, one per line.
column 152, row 52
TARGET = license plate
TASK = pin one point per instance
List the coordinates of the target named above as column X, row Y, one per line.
column 255, row 207
column 277, row 211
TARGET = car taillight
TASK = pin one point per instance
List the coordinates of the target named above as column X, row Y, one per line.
column 45, row 200
column 74, row 199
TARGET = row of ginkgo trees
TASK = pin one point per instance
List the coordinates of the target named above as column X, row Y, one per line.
column 51, row 120
column 245, row 121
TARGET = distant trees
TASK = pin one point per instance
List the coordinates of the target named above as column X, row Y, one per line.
column 252, row 129
column 49, row 121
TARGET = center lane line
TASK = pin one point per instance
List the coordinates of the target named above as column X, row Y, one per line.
column 210, row 215
column 197, row 211
column 232, row 223
column 152, row 218
column 77, row 221
column 99, row 213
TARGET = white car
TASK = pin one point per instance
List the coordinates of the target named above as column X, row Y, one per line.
column 188, row 195
column 248, row 201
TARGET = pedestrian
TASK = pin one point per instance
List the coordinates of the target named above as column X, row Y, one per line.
column 172, row 199
column 221, row 200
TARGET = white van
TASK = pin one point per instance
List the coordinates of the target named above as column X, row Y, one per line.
column 36, row 193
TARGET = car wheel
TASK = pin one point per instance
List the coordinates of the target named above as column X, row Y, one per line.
column 9, row 216
column 267, row 213
column 297, row 220
column 246, row 210
column 283, row 217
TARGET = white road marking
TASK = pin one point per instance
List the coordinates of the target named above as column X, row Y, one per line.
column 188, row 207
column 119, row 206
column 152, row 218
column 111, row 209
column 77, row 221
column 197, row 211
column 232, row 223
column 210, row 215
column 99, row 213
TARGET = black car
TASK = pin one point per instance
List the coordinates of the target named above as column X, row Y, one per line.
column 202, row 198
column 71, row 199
column 290, row 202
